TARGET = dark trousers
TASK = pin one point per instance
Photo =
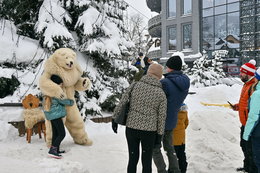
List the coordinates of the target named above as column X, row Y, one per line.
column 246, row 146
column 58, row 132
column 256, row 151
column 171, row 155
column 181, row 155
column 147, row 140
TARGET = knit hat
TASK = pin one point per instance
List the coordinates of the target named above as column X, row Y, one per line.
column 174, row 63
column 56, row 79
column 155, row 70
column 249, row 68
column 257, row 74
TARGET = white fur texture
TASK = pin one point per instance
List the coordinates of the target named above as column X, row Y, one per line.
column 63, row 63
column 32, row 117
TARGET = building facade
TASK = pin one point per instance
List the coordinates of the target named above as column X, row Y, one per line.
column 250, row 30
column 220, row 30
column 191, row 26
column 220, row 26
column 180, row 23
column 177, row 25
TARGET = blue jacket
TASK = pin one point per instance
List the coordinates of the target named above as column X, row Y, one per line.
column 58, row 109
column 252, row 127
column 176, row 87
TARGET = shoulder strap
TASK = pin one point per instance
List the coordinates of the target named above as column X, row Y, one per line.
column 252, row 89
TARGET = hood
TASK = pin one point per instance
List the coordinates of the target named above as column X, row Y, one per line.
column 181, row 80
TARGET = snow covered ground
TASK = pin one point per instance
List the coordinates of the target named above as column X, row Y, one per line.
column 212, row 144
column 212, row 136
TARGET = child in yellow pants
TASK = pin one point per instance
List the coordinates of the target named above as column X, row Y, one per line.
column 178, row 139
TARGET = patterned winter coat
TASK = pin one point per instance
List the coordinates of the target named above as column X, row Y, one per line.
column 182, row 124
column 252, row 127
column 242, row 106
column 148, row 105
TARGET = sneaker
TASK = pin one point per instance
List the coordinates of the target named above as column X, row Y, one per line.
column 53, row 153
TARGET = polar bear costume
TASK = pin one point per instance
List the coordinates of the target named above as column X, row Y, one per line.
column 63, row 63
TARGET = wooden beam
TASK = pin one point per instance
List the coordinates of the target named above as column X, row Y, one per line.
column 13, row 105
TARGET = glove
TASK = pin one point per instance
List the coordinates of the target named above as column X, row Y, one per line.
column 235, row 107
column 114, row 126
column 158, row 141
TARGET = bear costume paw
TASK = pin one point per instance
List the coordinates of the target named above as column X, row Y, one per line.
column 86, row 83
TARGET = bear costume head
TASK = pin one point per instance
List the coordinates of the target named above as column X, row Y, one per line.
column 63, row 62
column 65, row 58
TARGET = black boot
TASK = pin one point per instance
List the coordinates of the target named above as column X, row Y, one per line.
column 54, row 153
column 241, row 169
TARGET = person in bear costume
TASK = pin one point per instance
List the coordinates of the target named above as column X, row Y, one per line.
column 64, row 64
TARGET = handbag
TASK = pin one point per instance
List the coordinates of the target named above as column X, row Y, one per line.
column 123, row 111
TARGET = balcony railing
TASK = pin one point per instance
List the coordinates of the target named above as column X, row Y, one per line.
column 155, row 54
column 154, row 26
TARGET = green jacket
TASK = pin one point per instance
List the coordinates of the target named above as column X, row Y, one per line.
column 58, row 109
column 254, row 114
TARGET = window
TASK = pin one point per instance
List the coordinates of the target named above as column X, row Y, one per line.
column 187, row 7
column 208, row 33
column 220, row 28
column 233, row 24
column 207, row 3
column 220, row 2
column 207, row 12
column 187, row 36
column 171, row 8
column 229, row 1
column 233, row 7
column 172, row 38
column 220, row 9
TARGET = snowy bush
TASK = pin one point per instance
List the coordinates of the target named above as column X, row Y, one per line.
column 208, row 72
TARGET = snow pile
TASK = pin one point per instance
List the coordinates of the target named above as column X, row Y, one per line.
column 212, row 142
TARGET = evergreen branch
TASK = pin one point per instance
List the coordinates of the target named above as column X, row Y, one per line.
column 31, row 82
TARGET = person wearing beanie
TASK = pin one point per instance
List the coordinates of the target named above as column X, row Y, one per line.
column 247, row 72
column 155, row 70
column 145, row 119
column 252, row 127
column 54, row 110
column 178, row 140
column 174, row 63
column 176, row 86
column 142, row 63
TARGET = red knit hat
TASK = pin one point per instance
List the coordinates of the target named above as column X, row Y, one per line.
column 249, row 68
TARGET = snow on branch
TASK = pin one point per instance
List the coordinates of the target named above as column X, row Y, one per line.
column 51, row 23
